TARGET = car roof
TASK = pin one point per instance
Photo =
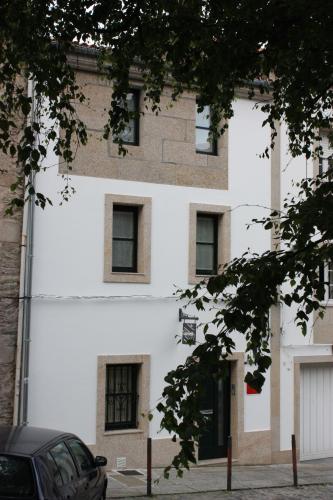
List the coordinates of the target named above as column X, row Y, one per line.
column 26, row 440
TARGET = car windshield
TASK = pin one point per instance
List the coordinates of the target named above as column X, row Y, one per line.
column 16, row 479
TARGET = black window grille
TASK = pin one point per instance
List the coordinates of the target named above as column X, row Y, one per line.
column 204, row 143
column 121, row 397
column 124, row 238
column 207, row 244
column 130, row 135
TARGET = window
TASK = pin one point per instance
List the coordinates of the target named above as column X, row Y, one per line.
column 16, row 477
column 326, row 276
column 326, row 159
column 127, row 239
column 206, row 244
column 204, row 143
column 121, row 396
column 81, row 454
column 124, row 238
column 130, row 135
column 209, row 240
column 64, row 462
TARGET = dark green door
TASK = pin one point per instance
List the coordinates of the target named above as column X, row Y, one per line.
column 215, row 405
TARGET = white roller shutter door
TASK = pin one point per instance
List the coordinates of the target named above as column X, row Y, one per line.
column 316, row 411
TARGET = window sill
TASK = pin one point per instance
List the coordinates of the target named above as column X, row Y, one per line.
column 193, row 280
column 121, row 277
column 205, row 153
column 327, row 303
column 123, row 431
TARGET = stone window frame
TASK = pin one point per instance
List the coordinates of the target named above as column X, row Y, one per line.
column 143, row 391
column 144, row 239
column 223, row 237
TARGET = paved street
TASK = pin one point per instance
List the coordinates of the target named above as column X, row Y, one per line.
column 320, row 492
column 249, row 482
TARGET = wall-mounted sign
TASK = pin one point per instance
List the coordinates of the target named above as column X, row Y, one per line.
column 189, row 333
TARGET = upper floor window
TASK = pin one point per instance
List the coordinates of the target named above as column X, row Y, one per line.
column 203, row 142
column 121, row 396
column 125, row 238
column 326, row 276
column 130, row 135
column 127, row 234
column 326, row 158
column 206, row 244
column 209, row 240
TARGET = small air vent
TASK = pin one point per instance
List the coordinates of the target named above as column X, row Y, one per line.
column 121, row 462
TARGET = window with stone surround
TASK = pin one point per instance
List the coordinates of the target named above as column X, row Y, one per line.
column 127, row 235
column 209, row 240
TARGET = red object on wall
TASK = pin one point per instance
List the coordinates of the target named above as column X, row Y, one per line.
column 250, row 390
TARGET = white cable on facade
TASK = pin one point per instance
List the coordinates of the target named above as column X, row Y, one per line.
column 102, row 297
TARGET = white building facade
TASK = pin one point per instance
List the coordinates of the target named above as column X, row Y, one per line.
column 106, row 265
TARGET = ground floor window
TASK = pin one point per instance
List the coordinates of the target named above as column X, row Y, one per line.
column 121, row 398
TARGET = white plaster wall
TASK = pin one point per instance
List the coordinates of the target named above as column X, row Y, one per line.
column 69, row 334
column 293, row 343
column 287, row 386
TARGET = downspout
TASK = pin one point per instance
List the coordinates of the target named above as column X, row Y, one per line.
column 23, row 351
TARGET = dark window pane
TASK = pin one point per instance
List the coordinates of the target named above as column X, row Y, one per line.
column 203, row 118
column 205, row 258
column 81, row 454
column 122, row 254
column 131, row 101
column 130, row 134
column 16, row 478
column 205, row 229
column 330, row 280
column 64, row 462
column 124, row 238
column 123, row 224
column 202, row 141
column 206, row 244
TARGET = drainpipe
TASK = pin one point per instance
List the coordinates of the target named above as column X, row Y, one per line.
column 23, row 351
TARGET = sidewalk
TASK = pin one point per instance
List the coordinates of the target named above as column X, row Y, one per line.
column 199, row 479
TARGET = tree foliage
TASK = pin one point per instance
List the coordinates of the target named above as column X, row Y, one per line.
column 242, row 296
column 278, row 48
column 208, row 46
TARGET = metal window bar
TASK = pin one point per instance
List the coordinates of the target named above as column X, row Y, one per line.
column 121, row 397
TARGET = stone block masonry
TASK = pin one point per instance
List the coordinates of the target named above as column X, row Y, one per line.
column 10, row 257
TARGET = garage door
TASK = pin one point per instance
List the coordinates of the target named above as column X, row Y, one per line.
column 316, row 411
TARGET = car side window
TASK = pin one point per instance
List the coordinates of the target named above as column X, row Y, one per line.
column 64, row 462
column 50, row 477
column 82, row 454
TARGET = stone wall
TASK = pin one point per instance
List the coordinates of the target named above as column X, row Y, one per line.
column 10, row 256
column 166, row 153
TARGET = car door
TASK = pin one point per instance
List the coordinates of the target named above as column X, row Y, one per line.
column 93, row 479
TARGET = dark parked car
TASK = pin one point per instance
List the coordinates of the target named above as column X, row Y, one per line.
column 43, row 464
